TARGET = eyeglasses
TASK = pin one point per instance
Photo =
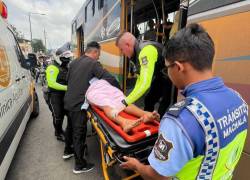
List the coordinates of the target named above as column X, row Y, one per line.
column 170, row 65
column 165, row 69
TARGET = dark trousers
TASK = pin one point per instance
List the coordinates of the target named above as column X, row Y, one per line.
column 37, row 76
column 76, row 134
column 58, row 111
column 160, row 90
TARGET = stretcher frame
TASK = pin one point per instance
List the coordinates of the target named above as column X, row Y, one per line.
column 109, row 152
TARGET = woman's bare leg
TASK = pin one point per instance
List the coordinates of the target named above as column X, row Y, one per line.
column 147, row 116
column 150, row 116
column 125, row 123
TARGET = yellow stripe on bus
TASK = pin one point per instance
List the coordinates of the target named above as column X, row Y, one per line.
column 230, row 34
column 231, row 37
column 114, row 70
column 233, row 71
column 110, row 47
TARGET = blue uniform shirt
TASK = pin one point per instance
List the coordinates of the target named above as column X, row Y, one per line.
column 180, row 152
column 181, row 138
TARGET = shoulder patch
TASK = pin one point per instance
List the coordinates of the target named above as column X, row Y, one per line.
column 176, row 109
column 51, row 71
column 144, row 60
column 162, row 148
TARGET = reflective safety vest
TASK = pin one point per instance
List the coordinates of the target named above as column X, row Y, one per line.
column 149, row 64
column 216, row 163
column 56, row 78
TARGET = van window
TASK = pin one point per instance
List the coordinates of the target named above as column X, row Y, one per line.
column 17, row 48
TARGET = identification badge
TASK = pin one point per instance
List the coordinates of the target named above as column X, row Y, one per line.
column 144, row 60
column 162, row 148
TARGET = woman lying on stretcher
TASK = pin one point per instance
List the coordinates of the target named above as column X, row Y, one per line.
column 109, row 99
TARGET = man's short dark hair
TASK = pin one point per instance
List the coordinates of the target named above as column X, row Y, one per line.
column 191, row 44
column 92, row 45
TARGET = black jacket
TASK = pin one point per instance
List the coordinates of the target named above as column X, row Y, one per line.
column 81, row 71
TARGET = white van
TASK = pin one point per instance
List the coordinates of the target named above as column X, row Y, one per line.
column 18, row 99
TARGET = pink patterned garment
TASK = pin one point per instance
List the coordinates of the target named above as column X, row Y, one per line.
column 101, row 93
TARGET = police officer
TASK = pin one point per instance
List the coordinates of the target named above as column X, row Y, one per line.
column 149, row 56
column 56, row 74
column 202, row 136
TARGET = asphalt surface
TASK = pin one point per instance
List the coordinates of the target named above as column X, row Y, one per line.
column 39, row 155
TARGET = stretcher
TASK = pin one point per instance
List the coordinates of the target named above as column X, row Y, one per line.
column 115, row 143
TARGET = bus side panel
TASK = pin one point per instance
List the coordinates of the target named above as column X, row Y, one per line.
column 104, row 26
column 112, row 59
column 231, row 35
column 232, row 58
column 242, row 170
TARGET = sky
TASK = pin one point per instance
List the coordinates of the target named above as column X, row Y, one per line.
column 56, row 22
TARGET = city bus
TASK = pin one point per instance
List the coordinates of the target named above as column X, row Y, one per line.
column 227, row 21
column 103, row 20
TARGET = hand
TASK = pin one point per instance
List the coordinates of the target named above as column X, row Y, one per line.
column 131, row 163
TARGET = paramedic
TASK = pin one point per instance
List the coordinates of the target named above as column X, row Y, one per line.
column 202, row 136
column 151, row 63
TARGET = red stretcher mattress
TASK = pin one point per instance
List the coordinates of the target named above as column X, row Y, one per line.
column 137, row 133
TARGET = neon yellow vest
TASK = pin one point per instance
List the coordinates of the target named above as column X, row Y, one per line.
column 227, row 157
column 51, row 75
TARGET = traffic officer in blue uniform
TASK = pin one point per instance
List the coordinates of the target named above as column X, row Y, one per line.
column 202, row 136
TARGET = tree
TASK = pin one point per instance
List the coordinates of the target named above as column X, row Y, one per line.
column 37, row 45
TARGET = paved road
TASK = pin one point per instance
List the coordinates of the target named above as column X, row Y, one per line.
column 39, row 155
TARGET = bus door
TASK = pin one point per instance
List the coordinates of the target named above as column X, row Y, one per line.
column 167, row 17
column 80, row 41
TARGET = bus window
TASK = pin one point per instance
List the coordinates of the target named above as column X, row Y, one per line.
column 88, row 9
column 100, row 4
column 93, row 8
column 86, row 14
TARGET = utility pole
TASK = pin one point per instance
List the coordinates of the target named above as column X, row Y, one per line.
column 30, row 33
column 45, row 43
column 29, row 14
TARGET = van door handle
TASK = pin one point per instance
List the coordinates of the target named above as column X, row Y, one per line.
column 18, row 79
column 23, row 76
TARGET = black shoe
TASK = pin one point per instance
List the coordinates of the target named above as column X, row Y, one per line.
column 60, row 137
column 88, row 167
column 68, row 154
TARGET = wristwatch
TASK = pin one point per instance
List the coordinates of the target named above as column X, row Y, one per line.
column 124, row 102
